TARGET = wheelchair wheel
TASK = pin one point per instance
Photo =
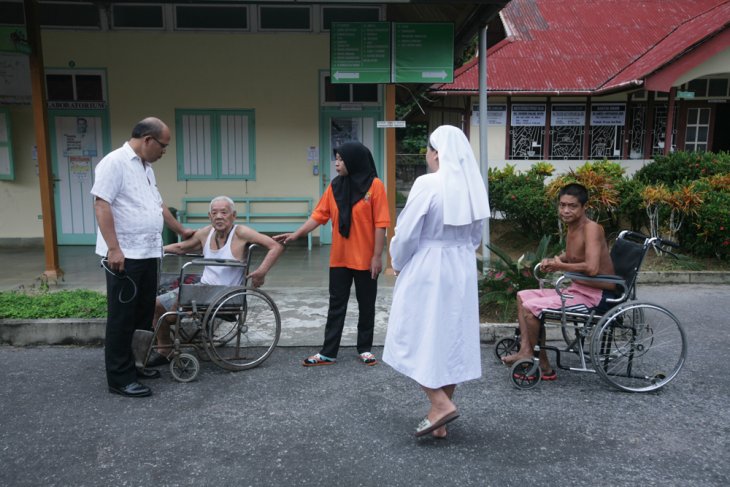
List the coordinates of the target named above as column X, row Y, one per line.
column 638, row 347
column 242, row 328
column 506, row 346
column 525, row 374
column 184, row 367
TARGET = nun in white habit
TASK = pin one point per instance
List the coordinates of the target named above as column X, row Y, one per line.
column 433, row 329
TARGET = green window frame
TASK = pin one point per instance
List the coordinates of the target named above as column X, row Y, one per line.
column 7, row 168
column 215, row 144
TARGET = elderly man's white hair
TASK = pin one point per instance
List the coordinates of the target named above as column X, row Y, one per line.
column 228, row 200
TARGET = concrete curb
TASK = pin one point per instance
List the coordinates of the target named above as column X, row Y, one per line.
column 24, row 333
column 70, row 331
column 684, row 277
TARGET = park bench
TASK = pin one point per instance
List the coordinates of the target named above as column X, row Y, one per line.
column 270, row 215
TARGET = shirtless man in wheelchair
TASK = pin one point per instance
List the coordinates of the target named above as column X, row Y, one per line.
column 219, row 240
column 586, row 252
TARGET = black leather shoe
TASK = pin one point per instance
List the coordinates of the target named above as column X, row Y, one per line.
column 135, row 389
column 148, row 374
column 158, row 360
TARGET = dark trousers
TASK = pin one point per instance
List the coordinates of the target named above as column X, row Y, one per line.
column 128, row 310
column 366, row 289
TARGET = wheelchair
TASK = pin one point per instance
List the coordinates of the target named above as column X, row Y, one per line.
column 634, row 346
column 235, row 327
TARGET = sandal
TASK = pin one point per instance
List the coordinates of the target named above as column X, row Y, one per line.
column 552, row 375
column 549, row 376
column 368, row 358
column 318, row 359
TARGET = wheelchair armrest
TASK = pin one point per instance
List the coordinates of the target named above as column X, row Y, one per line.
column 539, row 275
column 218, row 262
column 603, row 278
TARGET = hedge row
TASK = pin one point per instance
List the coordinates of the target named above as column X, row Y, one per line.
column 682, row 196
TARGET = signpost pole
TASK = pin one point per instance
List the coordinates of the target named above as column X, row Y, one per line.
column 483, row 152
column 390, row 160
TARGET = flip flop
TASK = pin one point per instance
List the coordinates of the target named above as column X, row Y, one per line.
column 552, row 375
column 426, row 426
column 318, row 359
column 549, row 377
column 368, row 358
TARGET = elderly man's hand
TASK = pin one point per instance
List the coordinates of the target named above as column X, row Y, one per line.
column 257, row 278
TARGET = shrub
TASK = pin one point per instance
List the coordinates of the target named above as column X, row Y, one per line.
column 707, row 231
column 505, row 277
column 631, row 209
column 521, row 199
column 684, row 166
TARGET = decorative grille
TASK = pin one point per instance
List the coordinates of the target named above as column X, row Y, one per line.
column 606, row 142
column 637, row 131
column 566, row 142
column 527, row 142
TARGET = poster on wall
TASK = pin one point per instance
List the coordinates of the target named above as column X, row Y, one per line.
column 608, row 114
column 528, row 115
column 567, row 115
column 79, row 138
column 15, row 85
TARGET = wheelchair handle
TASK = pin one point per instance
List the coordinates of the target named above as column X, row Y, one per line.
column 653, row 241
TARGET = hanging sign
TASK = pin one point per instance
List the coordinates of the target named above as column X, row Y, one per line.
column 528, row 115
column 360, row 52
column 568, row 115
column 423, row 52
column 608, row 114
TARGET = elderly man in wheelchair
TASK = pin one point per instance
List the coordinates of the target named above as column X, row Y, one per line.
column 586, row 252
column 225, row 243
column 634, row 346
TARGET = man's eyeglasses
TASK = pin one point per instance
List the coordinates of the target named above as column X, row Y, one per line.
column 164, row 146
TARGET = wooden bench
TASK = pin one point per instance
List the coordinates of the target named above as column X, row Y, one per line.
column 254, row 212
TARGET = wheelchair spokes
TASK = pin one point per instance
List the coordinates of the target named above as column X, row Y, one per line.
column 639, row 347
column 243, row 327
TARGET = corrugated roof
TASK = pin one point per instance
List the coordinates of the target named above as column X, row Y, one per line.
column 589, row 46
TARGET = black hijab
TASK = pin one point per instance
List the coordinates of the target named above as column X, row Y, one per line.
column 350, row 189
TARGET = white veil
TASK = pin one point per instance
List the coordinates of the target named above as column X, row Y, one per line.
column 465, row 197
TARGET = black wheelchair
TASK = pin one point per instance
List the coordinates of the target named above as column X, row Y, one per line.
column 235, row 327
column 635, row 346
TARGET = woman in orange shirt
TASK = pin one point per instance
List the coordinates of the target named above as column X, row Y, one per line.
column 357, row 205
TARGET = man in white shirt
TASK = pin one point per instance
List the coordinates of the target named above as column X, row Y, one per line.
column 130, row 215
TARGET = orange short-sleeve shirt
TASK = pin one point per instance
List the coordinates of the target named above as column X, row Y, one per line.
column 369, row 213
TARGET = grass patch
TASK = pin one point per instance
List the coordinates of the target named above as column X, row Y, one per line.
column 31, row 305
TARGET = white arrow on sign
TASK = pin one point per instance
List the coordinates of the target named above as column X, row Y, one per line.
column 339, row 75
column 433, row 74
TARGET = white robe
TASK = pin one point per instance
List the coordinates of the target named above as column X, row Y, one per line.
column 433, row 329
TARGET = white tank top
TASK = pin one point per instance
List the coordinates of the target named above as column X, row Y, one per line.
column 221, row 275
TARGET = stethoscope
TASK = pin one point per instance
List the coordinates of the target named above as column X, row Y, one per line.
column 120, row 275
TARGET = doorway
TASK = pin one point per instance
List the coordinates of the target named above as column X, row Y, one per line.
column 340, row 126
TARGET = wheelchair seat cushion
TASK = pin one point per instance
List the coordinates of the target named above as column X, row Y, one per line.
column 538, row 300
column 582, row 309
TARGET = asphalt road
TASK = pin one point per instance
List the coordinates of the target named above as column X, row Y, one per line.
column 351, row 425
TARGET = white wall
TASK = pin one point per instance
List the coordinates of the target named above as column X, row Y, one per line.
column 277, row 75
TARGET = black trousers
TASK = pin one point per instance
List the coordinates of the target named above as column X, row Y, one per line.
column 128, row 310
column 366, row 289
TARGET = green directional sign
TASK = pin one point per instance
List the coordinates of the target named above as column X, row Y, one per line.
column 360, row 52
column 423, row 53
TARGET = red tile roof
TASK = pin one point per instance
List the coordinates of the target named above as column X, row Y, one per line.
column 589, row 46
